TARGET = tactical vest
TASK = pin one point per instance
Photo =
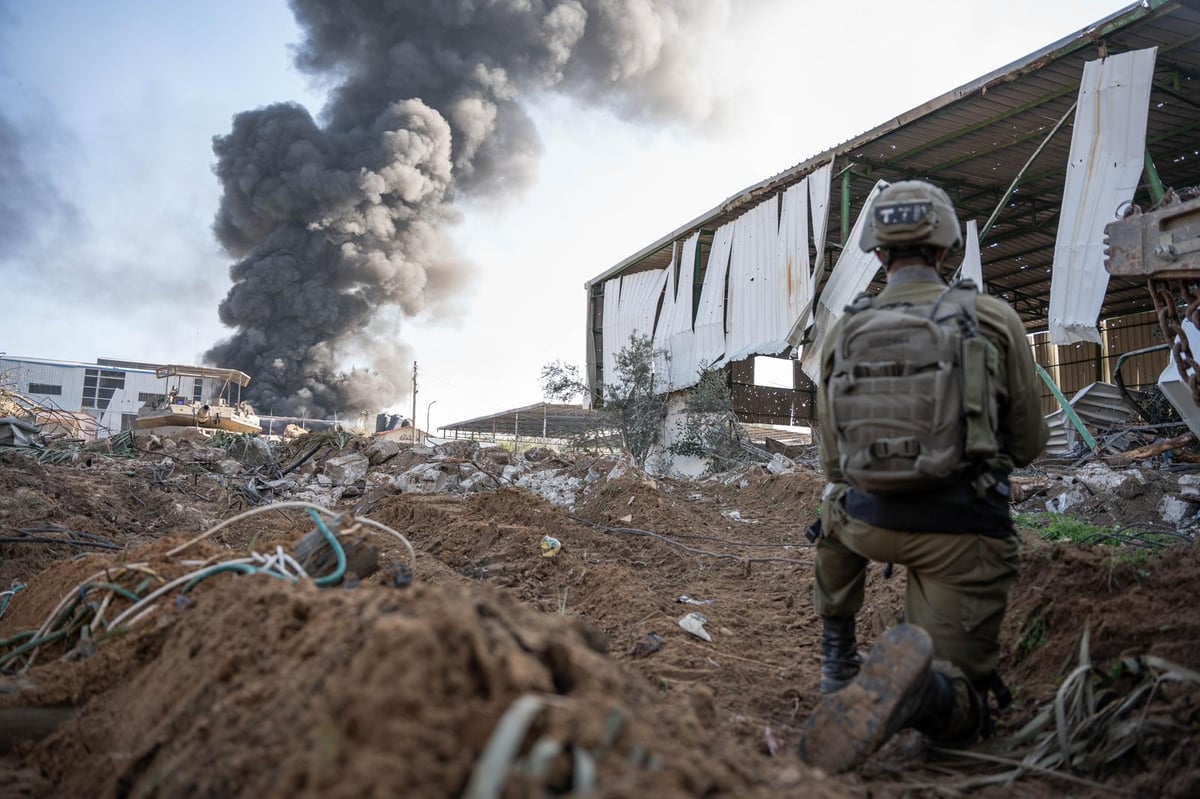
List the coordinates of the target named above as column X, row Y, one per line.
column 912, row 393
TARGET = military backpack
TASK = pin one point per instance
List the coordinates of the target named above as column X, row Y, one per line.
column 912, row 393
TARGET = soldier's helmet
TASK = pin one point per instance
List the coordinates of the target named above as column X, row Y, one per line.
column 911, row 213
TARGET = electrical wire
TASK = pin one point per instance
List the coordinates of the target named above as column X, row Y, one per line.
column 63, row 620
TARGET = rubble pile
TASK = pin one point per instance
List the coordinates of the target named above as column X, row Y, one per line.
column 568, row 624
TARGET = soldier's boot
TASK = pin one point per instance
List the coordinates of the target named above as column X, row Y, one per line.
column 840, row 660
column 896, row 688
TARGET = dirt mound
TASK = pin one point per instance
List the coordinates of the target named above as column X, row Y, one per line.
column 250, row 685
column 262, row 689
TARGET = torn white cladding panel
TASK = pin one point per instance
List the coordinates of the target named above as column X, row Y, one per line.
column 819, row 183
column 972, row 265
column 850, row 277
column 818, row 199
column 710, row 314
column 1176, row 388
column 794, row 261
column 1107, row 154
column 673, row 333
column 758, row 283
column 630, row 304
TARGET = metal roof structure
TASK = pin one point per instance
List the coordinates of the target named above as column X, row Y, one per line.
column 542, row 420
column 999, row 145
column 179, row 370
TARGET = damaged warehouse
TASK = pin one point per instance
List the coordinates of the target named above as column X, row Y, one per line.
column 768, row 270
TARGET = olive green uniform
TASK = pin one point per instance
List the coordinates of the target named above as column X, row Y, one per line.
column 958, row 582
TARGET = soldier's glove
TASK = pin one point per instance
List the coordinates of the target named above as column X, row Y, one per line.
column 814, row 531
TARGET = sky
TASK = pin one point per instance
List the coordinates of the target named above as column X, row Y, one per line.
column 107, row 247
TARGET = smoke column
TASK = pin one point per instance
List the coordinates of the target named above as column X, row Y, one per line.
column 333, row 220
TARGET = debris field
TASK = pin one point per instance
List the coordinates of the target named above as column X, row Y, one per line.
column 565, row 625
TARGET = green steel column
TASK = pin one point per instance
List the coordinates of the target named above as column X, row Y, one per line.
column 1157, row 190
column 845, row 208
column 1066, row 406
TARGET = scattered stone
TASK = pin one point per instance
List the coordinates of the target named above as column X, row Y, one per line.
column 230, row 467
column 560, row 489
column 426, row 478
column 252, row 451
column 1174, row 510
column 647, row 645
column 1067, row 499
column 693, row 624
column 780, row 464
column 348, row 469
column 618, row 471
column 535, row 454
column 465, row 449
column 1104, row 481
column 203, row 454
column 497, row 455
column 294, row 432
column 382, row 450
column 1189, row 486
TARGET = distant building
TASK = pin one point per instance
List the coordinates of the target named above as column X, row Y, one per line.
column 110, row 391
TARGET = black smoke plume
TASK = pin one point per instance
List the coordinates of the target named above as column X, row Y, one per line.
column 333, row 220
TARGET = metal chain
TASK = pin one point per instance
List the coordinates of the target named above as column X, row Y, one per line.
column 1166, row 303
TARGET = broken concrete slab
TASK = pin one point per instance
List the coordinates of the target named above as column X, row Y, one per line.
column 381, row 451
column 252, row 451
column 348, row 469
column 554, row 486
column 780, row 464
column 1174, row 510
column 1069, row 498
column 467, row 450
column 1189, row 486
column 1102, row 480
column 425, row 478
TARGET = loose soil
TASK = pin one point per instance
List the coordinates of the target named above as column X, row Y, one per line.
column 255, row 687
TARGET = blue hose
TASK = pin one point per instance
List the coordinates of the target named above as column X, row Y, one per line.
column 4, row 600
column 340, row 571
column 243, row 568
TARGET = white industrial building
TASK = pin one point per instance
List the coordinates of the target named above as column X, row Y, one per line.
column 110, row 391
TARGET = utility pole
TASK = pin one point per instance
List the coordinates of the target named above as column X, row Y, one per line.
column 414, row 413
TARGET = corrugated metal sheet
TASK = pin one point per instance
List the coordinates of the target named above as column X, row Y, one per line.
column 673, row 333
column 795, row 259
column 850, row 277
column 1108, row 148
column 1101, row 406
column 758, row 291
column 710, row 314
column 972, row 265
column 612, row 341
column 635, row 313
column 818, row 199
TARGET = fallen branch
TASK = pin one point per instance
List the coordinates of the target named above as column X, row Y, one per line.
column 1159, row 447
